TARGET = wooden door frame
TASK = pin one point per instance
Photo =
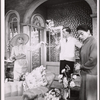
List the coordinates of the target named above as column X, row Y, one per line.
column 46, row 63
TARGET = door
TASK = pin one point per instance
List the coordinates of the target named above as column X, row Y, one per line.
column 36, row 35
column 35, row 30
column 52, row 53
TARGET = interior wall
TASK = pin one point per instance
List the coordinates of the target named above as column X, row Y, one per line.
column 42, row 11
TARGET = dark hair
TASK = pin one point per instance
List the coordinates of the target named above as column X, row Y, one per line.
column 84, row 28
column 67, row 29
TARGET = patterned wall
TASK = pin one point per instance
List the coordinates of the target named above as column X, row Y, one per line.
column 71, row 14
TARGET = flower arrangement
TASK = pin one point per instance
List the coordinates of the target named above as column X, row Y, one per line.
column 67, row 80
column 35, row 79
column 49, row 24
column 53, row 94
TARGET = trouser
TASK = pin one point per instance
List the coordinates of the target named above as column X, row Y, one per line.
column 63, row 63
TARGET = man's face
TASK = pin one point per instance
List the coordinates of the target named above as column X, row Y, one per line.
column 65, row 33
column 83, row 34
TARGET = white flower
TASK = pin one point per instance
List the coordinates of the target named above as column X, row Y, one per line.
column 72, row 84
column 77, row 66
column 60, row 76
column 60, row 81
column 65, row 82
column 74, row 76
column 63, row 70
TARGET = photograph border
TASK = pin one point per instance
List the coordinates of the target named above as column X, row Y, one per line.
column 2, row 28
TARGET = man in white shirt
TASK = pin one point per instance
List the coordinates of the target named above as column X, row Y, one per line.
column 67, row 53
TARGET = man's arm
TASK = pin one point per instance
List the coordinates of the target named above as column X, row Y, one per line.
column 92, row 61
column 35, row 47
column 78, row 43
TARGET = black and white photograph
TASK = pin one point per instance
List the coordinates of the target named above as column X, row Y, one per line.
column 50, row 49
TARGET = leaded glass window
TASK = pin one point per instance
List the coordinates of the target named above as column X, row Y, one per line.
column 53, row 38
